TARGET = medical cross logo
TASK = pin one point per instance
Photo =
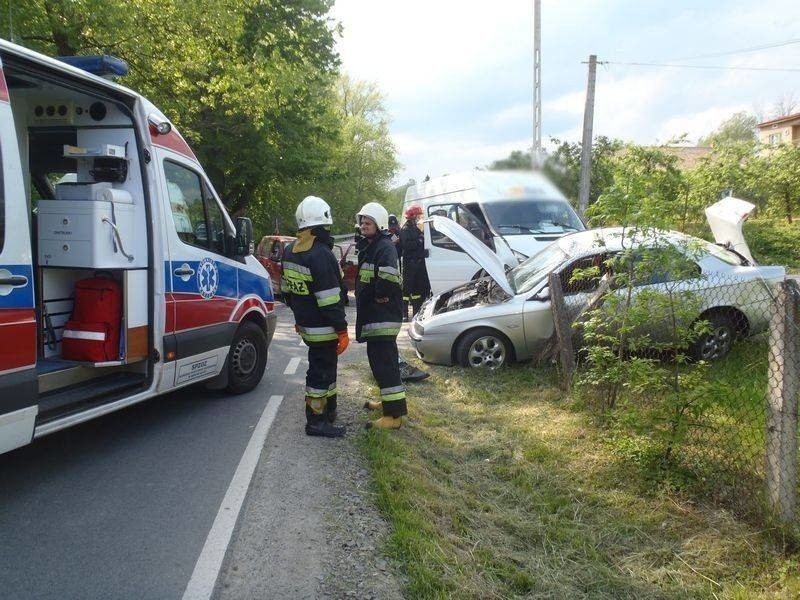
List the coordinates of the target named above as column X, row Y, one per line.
column 207, row 278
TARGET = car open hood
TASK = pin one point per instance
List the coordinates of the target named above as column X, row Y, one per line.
column 475, row 249
column 726, row 218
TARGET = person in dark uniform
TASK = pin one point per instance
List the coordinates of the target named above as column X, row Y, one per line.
column 311, row 284
column 416, row 285
column 378, row 313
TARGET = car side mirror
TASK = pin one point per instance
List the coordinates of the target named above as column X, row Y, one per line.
column 543, row 295
column 243, row 245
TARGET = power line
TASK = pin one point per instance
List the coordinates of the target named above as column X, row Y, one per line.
column 720, row 67
column 740, row 51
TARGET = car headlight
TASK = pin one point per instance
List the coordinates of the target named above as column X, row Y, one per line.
column 419, row 330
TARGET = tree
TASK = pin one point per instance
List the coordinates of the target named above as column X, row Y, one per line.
column 563, row 166
column 360, row 165
column 517, row 160
column 647, row 190
column 249, row 83
column 778, row 172
column 740, row 128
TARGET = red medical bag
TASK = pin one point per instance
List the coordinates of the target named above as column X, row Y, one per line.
column 92, row 333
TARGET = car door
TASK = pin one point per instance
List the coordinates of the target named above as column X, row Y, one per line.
column 201, row 279
column 447, row 263
column 18, row 383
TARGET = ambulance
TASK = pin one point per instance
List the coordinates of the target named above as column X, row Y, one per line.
column 122, row 276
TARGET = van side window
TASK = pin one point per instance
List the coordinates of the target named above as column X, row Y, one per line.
column 197, row 216
column 464, row 217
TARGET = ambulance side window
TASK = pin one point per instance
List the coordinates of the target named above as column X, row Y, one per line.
column 196, row 214
column 216, row 238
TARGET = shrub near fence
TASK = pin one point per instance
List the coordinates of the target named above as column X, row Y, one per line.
column 696, row 375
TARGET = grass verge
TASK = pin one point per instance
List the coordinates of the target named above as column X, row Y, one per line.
column 498, row 488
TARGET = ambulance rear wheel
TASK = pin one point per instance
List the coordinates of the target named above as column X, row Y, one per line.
column 247, row 358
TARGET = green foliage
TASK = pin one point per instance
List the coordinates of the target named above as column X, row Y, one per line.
column 778, row 172
column 773, row 242
column 647, row 191
column 516, row 161
column 738, row 128
column 563, row 166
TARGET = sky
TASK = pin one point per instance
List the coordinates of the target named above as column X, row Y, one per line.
column 457, row 75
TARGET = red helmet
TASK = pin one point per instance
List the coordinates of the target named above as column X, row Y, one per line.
column 413, row 211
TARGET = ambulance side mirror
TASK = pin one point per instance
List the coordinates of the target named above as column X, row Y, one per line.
column 244, row 237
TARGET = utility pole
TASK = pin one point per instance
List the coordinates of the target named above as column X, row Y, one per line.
column 536, row 150
column 586, row 145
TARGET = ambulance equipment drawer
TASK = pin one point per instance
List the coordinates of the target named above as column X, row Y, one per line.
column 72, row 233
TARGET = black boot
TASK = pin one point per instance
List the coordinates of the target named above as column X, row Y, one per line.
column 318, row 425
column 330, row 409
column 411, row 373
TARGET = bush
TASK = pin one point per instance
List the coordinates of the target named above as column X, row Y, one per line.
column 774, row 242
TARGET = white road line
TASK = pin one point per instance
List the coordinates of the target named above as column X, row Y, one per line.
column 291, row 368
column 206, row 570
column 302, row 342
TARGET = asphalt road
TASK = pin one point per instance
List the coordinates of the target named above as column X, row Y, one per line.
column 121, row 507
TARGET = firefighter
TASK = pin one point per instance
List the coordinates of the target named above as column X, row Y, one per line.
column 379, row 306
column 416, row 286
column 311, row 283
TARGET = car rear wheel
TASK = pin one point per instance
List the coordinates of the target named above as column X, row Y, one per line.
column 247, row 358
column 717, row 342
column 483, row 349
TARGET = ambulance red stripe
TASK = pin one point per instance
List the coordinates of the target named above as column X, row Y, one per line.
column 172, row 141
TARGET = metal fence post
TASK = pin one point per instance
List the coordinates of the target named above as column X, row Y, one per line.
column 783, row 387
column 563, row 327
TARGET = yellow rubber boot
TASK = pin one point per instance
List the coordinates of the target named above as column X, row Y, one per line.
column 373, row 405
column 386, row 422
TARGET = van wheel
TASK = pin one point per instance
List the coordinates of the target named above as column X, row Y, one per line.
column 247, row 358
column 483, row 349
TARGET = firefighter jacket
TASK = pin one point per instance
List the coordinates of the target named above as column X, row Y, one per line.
column 415, row 276
column 311, row 284
column 378, row 278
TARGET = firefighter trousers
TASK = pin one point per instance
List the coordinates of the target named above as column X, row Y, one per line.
column 384, row 360
column 321, row 379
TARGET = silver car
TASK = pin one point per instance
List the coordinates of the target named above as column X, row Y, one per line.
column 505, row 317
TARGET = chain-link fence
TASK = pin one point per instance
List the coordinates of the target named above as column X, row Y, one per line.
column 699, row 370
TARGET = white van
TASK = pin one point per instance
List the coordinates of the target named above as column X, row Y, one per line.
column 515, row 213
column 98, row 187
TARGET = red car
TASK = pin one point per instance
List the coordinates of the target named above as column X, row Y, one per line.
column 270, row 253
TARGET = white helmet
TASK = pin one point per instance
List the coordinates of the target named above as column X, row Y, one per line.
column 377, row 213
column 313, row 211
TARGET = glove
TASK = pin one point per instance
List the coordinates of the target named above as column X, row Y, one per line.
column 343, row 343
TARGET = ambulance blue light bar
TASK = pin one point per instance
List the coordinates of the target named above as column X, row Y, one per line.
column 103, row 65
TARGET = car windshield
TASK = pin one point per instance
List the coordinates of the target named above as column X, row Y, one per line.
column 527, row 275
column 530, row 216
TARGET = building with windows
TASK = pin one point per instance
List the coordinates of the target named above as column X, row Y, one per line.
column 783, row 130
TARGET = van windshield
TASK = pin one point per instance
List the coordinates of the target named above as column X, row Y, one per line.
column 528, row 216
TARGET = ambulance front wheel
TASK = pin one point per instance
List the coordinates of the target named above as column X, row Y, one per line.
column 247, row 358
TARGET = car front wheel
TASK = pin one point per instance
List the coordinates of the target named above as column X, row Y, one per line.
column 247, row 358
column 483, row 349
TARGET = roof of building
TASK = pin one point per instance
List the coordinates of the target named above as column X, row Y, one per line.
column 786, row 119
